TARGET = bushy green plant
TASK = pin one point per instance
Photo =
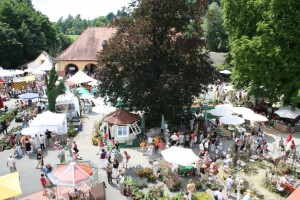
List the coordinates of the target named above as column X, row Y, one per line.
column 201, row 196
column 178, row 196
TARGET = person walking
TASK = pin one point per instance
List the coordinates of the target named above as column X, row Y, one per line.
column 174, row 139
column 44, row 184
column 191, row 188
column 115, row 168
column 143, row 146
column 109, row 172
column 229, row 183
column 69, row 147
column 39, row 158
column 48, row 135
column 42, row 141
column 150, row 152
column 62, row 154
column 4, row 127
column 155, row 166
column 11, row 164
column 126, row 159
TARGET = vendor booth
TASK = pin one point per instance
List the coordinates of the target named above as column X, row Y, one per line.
column 122, row 125
column 54, row 122
column 289, row 121
column 69, row 104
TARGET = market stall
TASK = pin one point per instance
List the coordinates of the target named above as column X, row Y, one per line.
column 289, row 119
column 54, row 122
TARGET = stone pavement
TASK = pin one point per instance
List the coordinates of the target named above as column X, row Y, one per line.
column 29, row 175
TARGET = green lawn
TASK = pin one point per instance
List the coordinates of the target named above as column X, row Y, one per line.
column 73, row 37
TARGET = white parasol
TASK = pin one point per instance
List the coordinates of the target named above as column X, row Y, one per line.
column 232, row 120
column 31, row 131
column 255, row 117
column 242, row 110
column 221, row 111
column 179, row 156
column 287, row 112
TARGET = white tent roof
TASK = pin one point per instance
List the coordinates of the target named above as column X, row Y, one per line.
column 287, row 112
column 48, row 119
column 64, row 99
column 179, row 156
column 80, row 77
column 46, row 66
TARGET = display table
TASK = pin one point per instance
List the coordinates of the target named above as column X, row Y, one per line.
column 282, row 128
column 187, row 170
column 295, row 129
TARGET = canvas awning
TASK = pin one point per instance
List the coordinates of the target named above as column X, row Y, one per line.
column 10, row 186
column 121, row 117
column 80, row 77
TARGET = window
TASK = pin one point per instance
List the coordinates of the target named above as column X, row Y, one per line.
column 135, row 129
column 122, row 131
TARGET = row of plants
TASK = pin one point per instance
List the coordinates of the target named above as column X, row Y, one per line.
column 9, row 116
column 172, row 180
column 148, row 174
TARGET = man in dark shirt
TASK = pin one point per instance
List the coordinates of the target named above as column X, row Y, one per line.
column 48, row 134
column 4, row 126
column 39, row 158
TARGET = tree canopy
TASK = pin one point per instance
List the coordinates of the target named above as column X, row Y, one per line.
column 264, row 47
column 214, row 31
column 157, row 60
column 24, row 33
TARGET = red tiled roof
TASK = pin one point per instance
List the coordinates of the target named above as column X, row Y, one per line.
column 88, row 44
column 121, row 117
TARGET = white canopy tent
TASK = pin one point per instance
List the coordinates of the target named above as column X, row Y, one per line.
column 64, row 99
column 179, row 156
column 32, row 131
column 255, row 117
column 287, row 112
column 232, row 120
column 242, row 110
column 81, row 77
column 46, row 66
column 51, row 121
column 221, row 111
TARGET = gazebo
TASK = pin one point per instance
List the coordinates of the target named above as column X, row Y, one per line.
column 122, row 125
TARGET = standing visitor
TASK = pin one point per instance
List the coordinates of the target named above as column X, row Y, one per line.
column 42, row 141
column 143, row 145
column 102, row 158
column 28, row 146
column 289, row 138
column 44, row 184
column 181, row 139
column 229, row 183
column 11, row 164
column 115, row 168
column 69, row 147
column 4, row 127
column 191, row 188
column 150, row 140
column 62, row 154
column 48, row 134
column 174, row 139
column 155, row 166
column 150, row 152
column 281, row 144
column 126, row 159
column 109, row 173
column 39, row 158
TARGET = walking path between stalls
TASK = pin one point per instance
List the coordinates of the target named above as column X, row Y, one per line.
column 29, row 176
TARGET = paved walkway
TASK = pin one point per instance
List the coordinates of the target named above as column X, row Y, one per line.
column 29, row 175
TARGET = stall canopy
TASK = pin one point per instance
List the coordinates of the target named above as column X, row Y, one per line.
column 179, row 156
column 232, row 120
column 287, row 112
column 31, row 131
column 10, row 186
column 80, row 77
column 46, row 66
column 121, row 117
column 68, row 99
column 295, row 195
column 51, row 121
column 71, row 174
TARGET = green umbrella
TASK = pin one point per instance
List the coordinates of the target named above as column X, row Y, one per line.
column 162, row 126
column 80, row 88
column 83, row 92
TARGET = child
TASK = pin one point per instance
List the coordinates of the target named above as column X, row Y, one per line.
column 44, row 184
column 143, row 145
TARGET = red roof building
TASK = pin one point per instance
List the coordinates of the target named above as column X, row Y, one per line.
column 121, row 117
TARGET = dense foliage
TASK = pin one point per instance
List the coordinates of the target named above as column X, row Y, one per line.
column 75, row 25
column 214, row 31
column 157, row 59
column 264, row 46
column 53, row 90
column 24, row 33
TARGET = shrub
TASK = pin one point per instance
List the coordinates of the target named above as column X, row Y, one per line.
column 201, row 196
column 178, row 196
column 152, row 178
column 146, row 173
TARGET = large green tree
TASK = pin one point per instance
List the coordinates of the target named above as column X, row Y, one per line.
column 264, row 45
column 214, row 31
column 24, row 33
column 157, row 60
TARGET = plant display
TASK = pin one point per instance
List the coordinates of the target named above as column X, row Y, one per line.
column 72, row 132
column 156, row 192
column 201, row 196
